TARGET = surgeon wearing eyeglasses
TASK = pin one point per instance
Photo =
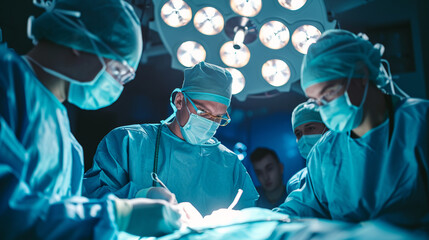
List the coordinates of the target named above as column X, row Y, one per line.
column 181, row 151
column 85, row 52
column 373, row 164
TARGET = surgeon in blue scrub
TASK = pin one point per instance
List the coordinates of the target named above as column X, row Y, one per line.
column 373, row 164
column 181, row 151
column 308, row 128
column 86, row 52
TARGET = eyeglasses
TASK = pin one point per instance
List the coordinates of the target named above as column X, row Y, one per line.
column 331, row 93
column 222, row 120
column 121, row 72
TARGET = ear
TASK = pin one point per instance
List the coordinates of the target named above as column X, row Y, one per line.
column 281, row 167
column 179, row 101
column 364, row 69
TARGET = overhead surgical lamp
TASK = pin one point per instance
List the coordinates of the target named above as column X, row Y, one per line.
column 261, row 43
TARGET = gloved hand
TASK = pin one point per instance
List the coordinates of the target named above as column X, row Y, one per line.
column 157, row 193
column 219, row 217
column 147, row 217
column 190, row 215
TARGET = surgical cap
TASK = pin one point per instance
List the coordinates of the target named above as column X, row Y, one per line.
column 207, row 81
column 113, row 25
column 304, row 113
column 335, row 55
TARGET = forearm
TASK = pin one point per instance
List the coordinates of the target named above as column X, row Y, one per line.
column 32, row 214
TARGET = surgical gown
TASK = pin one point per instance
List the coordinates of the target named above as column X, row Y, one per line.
column 357, row 179
column 296, row 181
column 41, row 164
column 207, row 176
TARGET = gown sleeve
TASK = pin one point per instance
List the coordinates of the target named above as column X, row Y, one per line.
column 243, row 181
column 307, row 201
column 109, row 173
column 25, row 211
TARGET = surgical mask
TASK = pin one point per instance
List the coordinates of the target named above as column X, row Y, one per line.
column 340, row 115
column 306, row 142
column 198, row 130
column 104, row 91
column 100, row 92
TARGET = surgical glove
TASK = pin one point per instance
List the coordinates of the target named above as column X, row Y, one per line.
column 190, row 215
column 222, row 216
column 147, row 217
column 157, row 193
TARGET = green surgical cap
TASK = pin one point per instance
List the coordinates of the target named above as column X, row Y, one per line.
column 304, row 113
column 207, row 81
column 335, row 55
column 113, row 24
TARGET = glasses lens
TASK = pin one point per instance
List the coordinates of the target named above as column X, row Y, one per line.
column 120, row 72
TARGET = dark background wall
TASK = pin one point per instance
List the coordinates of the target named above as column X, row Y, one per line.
column 401, row 25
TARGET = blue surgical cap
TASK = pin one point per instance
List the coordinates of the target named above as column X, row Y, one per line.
column 207, row 81
column 113, row 26
column 335, row 55
column 304, row 113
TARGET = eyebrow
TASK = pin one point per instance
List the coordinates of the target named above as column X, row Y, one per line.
column 309, row 124
column 203, row 108
column 327, row 87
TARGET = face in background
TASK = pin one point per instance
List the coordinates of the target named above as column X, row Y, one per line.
column 269, row 172
column 309, row 128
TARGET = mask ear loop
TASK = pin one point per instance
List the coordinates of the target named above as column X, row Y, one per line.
column 168, row 120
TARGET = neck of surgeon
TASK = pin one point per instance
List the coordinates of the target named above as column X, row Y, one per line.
column 46, row 53
column 373, row 114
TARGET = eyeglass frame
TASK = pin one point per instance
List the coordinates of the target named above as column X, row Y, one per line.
column 332, row 94
column 123, row 77
column 208, row 115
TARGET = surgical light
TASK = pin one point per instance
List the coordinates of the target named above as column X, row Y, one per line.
column 239, row 38
column 176, row 13
column 238, row 81
column 292, row 4
column 276, row 72
column 247, row 8
column 274, row 35
column 190, row 53
column 234, row 57
column 262, row 42
column 304, row 36
column 208, row 21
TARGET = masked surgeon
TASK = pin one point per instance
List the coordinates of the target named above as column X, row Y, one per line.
column 373, row 164
column 181, row 151
column 308, row 128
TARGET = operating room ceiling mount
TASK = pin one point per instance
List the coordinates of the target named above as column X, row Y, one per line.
column 261, row 43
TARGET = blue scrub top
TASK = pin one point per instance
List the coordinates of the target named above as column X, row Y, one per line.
column 207, row 176
column 296, row 181
column 41, row 164
column 358, row 179
column 263, row 201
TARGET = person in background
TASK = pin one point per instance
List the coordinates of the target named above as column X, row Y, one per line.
column 308, row 128
column 85, row 52
column 181, row 151
column 373, row 163
column 269, row 171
